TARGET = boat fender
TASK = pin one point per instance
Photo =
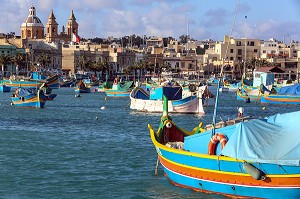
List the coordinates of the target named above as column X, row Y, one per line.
column 168, row 125
column 214, row 141
column 253, row 171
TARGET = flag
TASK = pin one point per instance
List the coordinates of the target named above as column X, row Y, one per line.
column 75, row 38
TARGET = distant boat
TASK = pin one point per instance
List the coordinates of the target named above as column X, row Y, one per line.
column 284, row 95
column 82, row 88
column 53, row 82
column 119, row 89
column 4, row 88
column 68, row 83
column 257, row 158
column 151, row 100
column 28, row 97
column 47, row 92
column 21, row 83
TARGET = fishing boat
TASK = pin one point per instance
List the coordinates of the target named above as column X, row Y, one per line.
column 82, row 88
column 284, row 95
column 252, row 92
column 119, row 89
column 252, row 158
column 28, row 97
column 24, row 83
column 151, row 100
column 46, row 91
column 4, row 88
column 53, row 82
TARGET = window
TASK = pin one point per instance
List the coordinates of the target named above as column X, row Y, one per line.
column 238, row 43
column 231, row 58
column 239, row 51
column 255, row 50
column 264, row 51
column 231, row 50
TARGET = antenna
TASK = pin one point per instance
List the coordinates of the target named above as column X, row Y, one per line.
column 187, row 33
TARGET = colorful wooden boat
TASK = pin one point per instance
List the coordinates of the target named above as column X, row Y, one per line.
column 151, row 100
column 82, row 88
column 119, row 89
column 47, row 92
column 28, row 97
column 4, row 88
column 53, row 82
column 285, row 95
column 68, row 83
column 21, row 83
column 254, row 159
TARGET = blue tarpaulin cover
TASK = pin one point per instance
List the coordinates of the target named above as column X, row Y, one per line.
column 289, row 90
column 26, row 91
column 271, row 140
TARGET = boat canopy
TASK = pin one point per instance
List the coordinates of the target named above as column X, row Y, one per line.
column 270, row 140
column 289, row 90
column 22, row 92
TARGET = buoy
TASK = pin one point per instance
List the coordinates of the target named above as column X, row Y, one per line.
column 105, row 98
column 11, row 104
column 263, row 108
column 253, row 171
column 240, row 111
column 96, row 118
column 102, row 108
column 77, row 95
column 169, row 125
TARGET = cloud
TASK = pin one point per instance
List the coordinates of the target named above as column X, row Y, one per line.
column 215, row 17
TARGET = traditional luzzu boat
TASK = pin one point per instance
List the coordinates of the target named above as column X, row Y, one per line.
column 28, row 97
column 4, row 88
column 82, row 88
column 257, row 158
column 119, row 89
column 151, row 100
column 252, row 92
column 21, row 83
column 47, row 92
column 285, row 95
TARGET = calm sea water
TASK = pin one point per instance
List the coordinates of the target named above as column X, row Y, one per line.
column 74, row 149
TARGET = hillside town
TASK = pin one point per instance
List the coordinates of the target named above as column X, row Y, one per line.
column 42, row 47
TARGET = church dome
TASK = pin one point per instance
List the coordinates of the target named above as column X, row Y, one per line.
column 32, row 19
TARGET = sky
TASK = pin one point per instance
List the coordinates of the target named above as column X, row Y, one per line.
column 201, row 19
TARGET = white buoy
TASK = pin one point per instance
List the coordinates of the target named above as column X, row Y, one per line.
column 102, row 108
column 96, row 118
column 240, row 111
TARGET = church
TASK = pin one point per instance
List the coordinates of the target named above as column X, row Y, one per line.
column 33, row 28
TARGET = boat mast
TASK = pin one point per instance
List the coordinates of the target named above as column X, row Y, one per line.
column 244, row 73
column 219, row 79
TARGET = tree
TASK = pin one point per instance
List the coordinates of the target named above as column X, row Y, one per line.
column 44, row 59
column 19, row 61
column 4, row 60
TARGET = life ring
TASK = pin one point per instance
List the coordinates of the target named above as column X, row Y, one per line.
column 214, row 141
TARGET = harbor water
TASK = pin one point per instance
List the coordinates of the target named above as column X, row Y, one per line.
column 94, row 147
